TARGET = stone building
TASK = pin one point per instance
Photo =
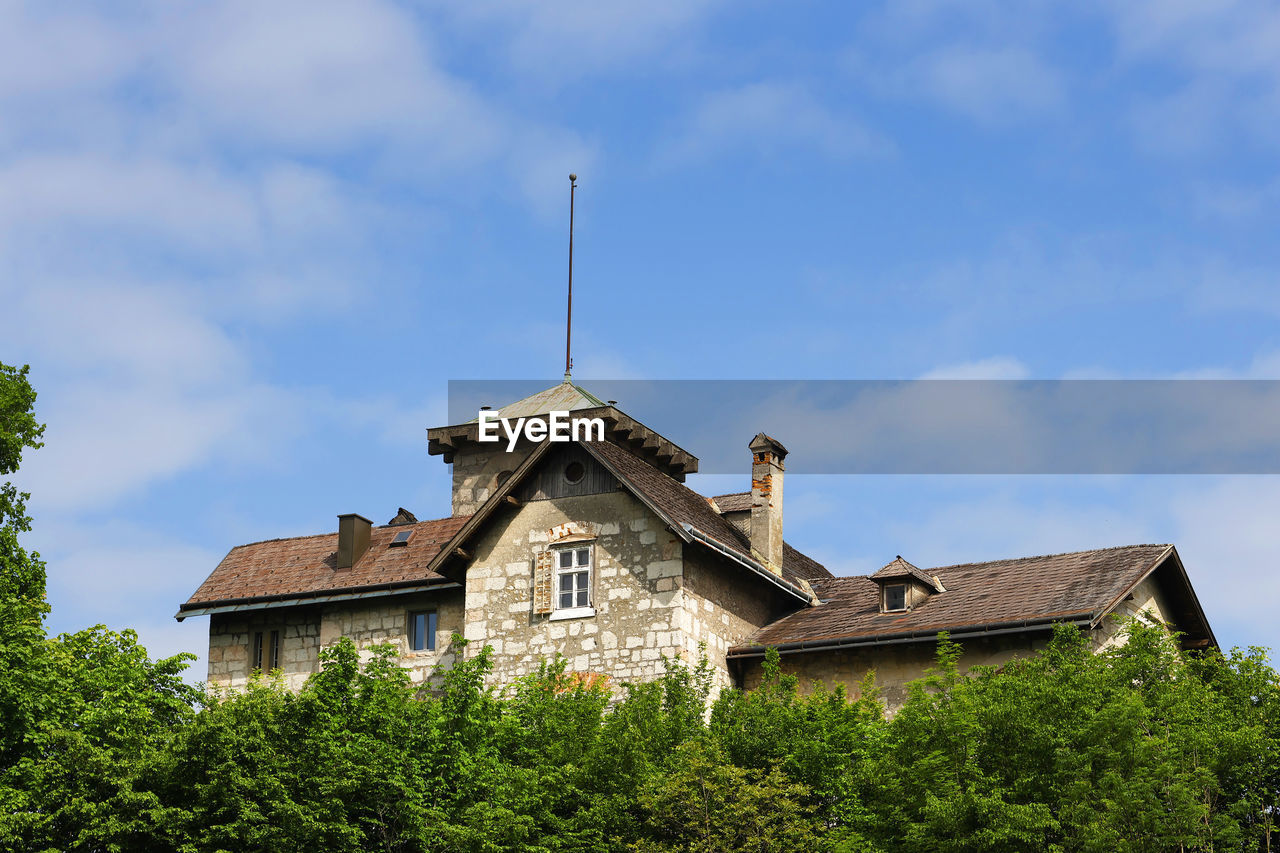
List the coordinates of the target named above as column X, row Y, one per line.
column 596, row 550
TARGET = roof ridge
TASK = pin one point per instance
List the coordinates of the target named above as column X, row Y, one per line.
column 1034, row 557
column 584, row 392
column 335, row 533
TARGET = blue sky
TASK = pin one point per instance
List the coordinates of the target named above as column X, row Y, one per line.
column 244, row 246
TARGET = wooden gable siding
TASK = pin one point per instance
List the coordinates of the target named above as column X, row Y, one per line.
column 548, row 481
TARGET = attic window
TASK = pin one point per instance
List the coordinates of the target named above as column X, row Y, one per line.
column 401, row 539
column 895, row 597
column 574, row 472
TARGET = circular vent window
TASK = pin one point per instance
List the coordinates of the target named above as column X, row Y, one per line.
column 574, row 472
column 503, row 476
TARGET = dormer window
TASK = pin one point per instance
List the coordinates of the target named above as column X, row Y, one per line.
column 904, row 587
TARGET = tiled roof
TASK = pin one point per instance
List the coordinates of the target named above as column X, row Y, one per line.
column 1058, row 586
column 796, row 564
column 735, row 502
column 685, row 506
column 565, row 397
column 304, row 565
column 900, row 568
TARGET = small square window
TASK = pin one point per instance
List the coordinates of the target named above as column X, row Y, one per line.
column 422, row 631
column 895, row 597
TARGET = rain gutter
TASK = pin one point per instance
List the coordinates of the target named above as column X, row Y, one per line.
column 240, row 605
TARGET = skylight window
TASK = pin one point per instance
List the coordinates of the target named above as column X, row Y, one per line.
column 401, row 538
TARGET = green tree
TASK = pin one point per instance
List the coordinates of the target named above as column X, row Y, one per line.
column 80, row 714
column 703, row 803
column 19, row 431
column 24, row 668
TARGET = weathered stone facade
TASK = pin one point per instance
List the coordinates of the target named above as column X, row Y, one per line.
column 1145, row 603
column 231, row 641
column 653, row 571
column 650, row 599
column 720, row 612
column 476, row 474
column 637, row 589
column 894, row 665
column 306, row 630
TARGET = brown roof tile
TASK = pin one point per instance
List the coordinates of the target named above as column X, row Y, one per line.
column 685, row 506
column 900, row 568
column 304, row 565
column 1031, row 588
column 735, row 502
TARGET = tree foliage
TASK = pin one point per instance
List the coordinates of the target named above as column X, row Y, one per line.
column 1139, row 748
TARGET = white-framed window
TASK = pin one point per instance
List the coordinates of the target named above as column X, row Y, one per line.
column 573, row 578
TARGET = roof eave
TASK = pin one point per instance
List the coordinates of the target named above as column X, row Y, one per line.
column 920, row 636
column 1169, row 552
column 481, row 515
column 236, row 605
column 694, row 534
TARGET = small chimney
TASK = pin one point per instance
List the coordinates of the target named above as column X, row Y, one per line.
column 353, row 538
column 766, row 500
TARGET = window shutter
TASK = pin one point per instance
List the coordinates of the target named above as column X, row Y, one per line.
column 543, row 581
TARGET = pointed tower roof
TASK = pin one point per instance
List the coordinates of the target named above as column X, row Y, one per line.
column 565, row 397
column 620, row 428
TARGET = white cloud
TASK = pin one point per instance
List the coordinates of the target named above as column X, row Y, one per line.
column 324, row 76
column 562, row 39
column 125, row 576
column 1225, row 63
column 1237, row 201
column 1005, row 524
column 1003, row 85
column 136, row 386
column 185, row 203
column 1264, row 365
column 996, row 367
column 1226, row 536
column 769, row 118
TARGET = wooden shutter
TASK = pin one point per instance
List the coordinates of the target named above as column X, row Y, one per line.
column 543, row 581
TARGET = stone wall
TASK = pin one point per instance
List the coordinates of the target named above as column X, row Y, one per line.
column 723, row 606
column 231, row 641
column 476, row 468
column 638, row 592
column 305, row 631
column 374, row 621
column 1146, row 603
column 895, row 666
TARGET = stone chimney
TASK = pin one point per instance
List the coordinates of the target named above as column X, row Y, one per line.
column 353, row 539
column 766, row 500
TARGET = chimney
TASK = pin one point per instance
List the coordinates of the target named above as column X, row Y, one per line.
column 766, row 500
column 353, row 539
